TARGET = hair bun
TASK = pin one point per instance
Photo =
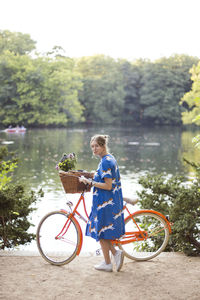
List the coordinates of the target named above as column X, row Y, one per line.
column 101, row 139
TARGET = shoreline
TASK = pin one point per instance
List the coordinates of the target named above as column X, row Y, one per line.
column 82, row 254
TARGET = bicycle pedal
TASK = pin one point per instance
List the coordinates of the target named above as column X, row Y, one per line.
column 98, row 252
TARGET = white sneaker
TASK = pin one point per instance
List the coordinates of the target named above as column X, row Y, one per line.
column 119, row 259
column 104, row 267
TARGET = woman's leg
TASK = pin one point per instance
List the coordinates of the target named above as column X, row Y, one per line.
column 112, row 248
column 106, row 247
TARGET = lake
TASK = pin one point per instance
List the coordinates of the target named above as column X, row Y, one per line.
column 138, row 150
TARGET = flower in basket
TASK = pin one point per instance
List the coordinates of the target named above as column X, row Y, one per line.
column 67, row 162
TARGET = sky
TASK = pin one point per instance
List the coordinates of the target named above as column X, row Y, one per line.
column 129, row 29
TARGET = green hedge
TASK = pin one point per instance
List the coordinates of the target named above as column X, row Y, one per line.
column 178, row 198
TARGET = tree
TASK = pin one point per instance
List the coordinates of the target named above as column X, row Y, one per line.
column 102, row 94
column 55, row 90
column 36, row 91
column 164, row 82
column 40, row 91
column 15, row 206
column 131, row 77
column 16, row 42
column 191, row 100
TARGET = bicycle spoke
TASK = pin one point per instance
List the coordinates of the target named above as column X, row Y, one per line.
column 146, row 236
column 57, row 243
column 67, row 241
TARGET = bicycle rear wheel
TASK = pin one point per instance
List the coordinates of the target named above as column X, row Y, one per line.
column 58, row 238
column 146, row 237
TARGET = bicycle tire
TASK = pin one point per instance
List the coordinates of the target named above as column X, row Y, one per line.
column 155, row 230
column 62, row 250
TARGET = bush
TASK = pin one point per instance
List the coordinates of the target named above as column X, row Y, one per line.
column 6, row 166
column 15, row 207
column 180, row 199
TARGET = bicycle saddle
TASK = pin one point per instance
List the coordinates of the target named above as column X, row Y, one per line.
column 130, row 200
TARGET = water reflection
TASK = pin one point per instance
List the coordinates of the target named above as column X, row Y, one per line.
column 187, row 149
column 136, row 149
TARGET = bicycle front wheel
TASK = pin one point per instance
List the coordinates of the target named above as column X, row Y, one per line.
column 58, row 238
column 146, row 236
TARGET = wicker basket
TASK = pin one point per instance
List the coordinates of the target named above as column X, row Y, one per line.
column 71, row 182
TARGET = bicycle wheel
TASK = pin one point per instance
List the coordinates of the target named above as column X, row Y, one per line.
column 146, row 237
column 57, row 245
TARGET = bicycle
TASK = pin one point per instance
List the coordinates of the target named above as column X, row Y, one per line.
column 146, row 233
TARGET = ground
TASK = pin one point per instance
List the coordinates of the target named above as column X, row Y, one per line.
column 169, row 276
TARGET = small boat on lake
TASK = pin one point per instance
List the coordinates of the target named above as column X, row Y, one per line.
column 18, row 129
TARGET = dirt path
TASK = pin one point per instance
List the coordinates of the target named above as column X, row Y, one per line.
column 169, row 276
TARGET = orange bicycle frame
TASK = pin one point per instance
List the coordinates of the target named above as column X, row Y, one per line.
column 72, row 215
column 139, row 235
column 129, row 237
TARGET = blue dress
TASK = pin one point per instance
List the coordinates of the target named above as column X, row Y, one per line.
column 106, row 220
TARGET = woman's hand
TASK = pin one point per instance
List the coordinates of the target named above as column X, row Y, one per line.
column 106, row 185
column 85, row 180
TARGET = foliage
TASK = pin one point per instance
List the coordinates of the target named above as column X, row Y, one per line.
column 55, row 90
column 16, row 42
column 131, row 79
column 6, row 167
column 102, row 94
column 179, row 199
column 195, row 166
column 164, row 82
column 196, row 141
column 68, row 162
column 145, row 92
column 191, row 100
column 15, row 207
column 36, row 92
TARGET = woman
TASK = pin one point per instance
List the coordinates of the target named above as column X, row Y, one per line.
column 106, row 221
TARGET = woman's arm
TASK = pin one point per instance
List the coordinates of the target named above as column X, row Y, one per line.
column 107, row 185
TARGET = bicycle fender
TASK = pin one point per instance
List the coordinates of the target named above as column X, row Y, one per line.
column 71, row 216
column 154, row 212
column 81, row 236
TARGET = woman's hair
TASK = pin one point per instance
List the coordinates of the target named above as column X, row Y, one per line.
column 102, row 140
